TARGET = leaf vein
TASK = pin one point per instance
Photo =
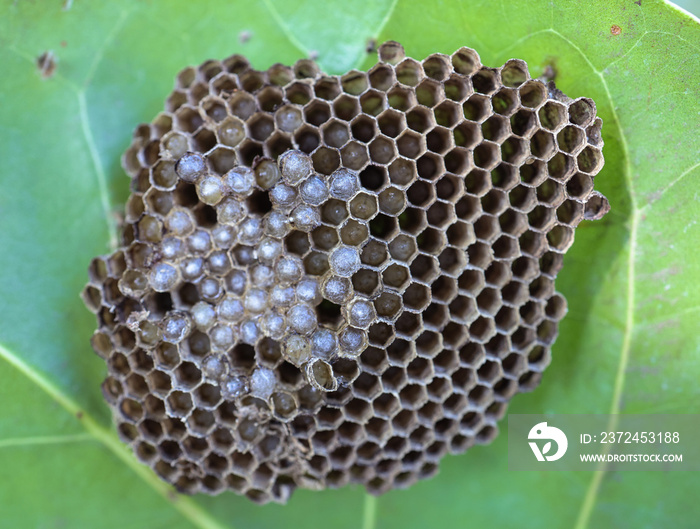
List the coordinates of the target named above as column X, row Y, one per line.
column 187, row 507
column 285, row 28
column 99, row 169
column 45, row 440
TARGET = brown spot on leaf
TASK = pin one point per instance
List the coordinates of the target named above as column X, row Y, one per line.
column 550, row 71
column 615, row 29
column 46, row 63
column 244, row 36
column 371, row 46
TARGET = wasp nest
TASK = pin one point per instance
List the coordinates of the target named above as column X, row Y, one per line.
column 338, row 279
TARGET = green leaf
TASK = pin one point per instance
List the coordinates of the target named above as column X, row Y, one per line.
column 629, row 344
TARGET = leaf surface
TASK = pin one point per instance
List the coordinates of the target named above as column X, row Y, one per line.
column 629, row 343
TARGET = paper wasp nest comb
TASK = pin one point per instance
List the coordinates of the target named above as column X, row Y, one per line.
column 338, row 279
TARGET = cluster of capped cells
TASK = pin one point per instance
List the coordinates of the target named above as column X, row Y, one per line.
column 326, row 280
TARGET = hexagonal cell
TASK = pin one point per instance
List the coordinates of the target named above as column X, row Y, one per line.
column 178, row 404
column 465, row 61
column 261, row 126
column 460, row 234
column 201, row 422
column 541, row 218
column 391, row 123
column 571, row 139
column 533, row 93
column 542, row 145
column 523, row 198
column 560, row 238
column 249, row 150
column 437, row 67
column 374, row 253
column 466, row 135
column 579, row 186
column 486, row 81
column 439, row 140
column 327, row 88
column 188, row 375
column 224, row 85
column 487, row 155
column 409, row 72
column 364, row 128
column 307, row 138
column 570, row 213
column 441, row 214
column 514, row 150
column 428, row 93
column 452, row 261
column 354, row 233
column 533, row 174
column 590, row 160
column 354, row 82
column 495, row 128
column 430, row 166
column 396, row 276
column 410, row 144
column 392, row 201
column 388, row 306
column 381, row 77
column 364, row 207
column 447, row 114
column 457, row 88
column 335, row 133
column 382, row 150
column 366, row 282
column 582, row 111
column 204, row 140
column 413, row 221
column 188, row 119
column 444, row 289
column 373, row 102
column 346, row 107
column 449, row 188
column 402, row 248
column 175, row 100
column 480, row 254
column 298, row 93
column 270, row 98
column 556, row 307
column 514, row 73
column 552, row 115
column 494, row 202
column 425, row 268
column 354, row 156
column 420, row 119
column 523, row 123
column 325, row 160
column 505, row 102
column 532, row 243
column 468, row 207
column 251, row 80
column 550, row 193
column 317, row 112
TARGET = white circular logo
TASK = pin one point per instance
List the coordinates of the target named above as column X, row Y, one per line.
column 541, row 432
